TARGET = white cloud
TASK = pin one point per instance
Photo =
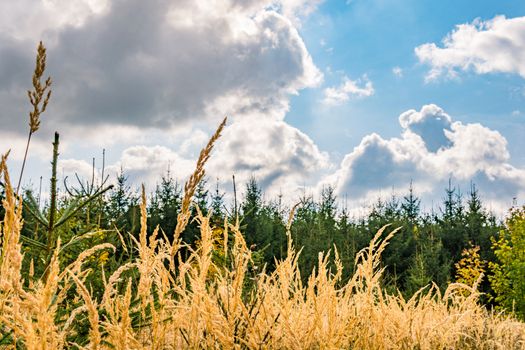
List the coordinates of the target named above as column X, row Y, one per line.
column 361, row 87
column 431, row 149
column 430, row 124
column 70, row 167
column 278, row 155
column 29, row 19
column 187, row 60
column 187, row 65
column 147, row 163
column 142, row 165
column 298, row 8
column 191, row 62
column 397, row 71
column 496, row 45
column 275, row 153
column 16, row 144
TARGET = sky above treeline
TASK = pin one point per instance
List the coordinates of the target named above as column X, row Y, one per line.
column 362, row 95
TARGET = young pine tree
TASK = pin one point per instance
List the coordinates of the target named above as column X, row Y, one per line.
column 165, row 205
column 452, row 223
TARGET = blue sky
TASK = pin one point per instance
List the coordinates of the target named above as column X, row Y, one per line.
column 363, row 95
column 373, row 37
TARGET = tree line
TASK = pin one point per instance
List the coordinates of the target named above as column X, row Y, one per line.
column 456, row 243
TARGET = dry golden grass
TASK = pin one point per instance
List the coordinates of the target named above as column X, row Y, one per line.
column 194, row 303
column 39, row 99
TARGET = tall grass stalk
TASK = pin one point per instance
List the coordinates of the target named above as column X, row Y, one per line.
column 190, row 186
column 39, row 98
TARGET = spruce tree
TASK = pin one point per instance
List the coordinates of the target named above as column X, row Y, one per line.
column 217, row 206
column 410, row 206
column 479, row 228
column 250, row 208
column 119, row 198
column 452, row 223
column 165, row 205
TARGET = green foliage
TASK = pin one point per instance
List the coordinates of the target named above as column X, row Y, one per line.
column 262, row 225
column 417, row 275
column 452, row 223
column 217, row 206
column 423, row 251
column 508, row 279
column 69, row 220
column 470, row 267
column 165, row 204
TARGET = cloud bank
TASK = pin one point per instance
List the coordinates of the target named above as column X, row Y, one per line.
column 492, row 46
column 431, row 149
column 157, row 63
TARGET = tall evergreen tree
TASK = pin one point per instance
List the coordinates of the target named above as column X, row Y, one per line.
column 122, row 207
column 119, row 198
column 165, row 205
column 250, row 208
column 326, row 220
column 480, row 231
column 410, row 206
column 217, row 206
column 262, row 225
column 452, row 223
column 305, row 234
column 347, row 242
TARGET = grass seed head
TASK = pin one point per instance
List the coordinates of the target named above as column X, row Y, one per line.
column 41, row 93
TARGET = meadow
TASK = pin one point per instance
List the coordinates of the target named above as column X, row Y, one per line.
column 67, row 282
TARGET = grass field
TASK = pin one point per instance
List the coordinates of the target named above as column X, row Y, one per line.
column 196, row 303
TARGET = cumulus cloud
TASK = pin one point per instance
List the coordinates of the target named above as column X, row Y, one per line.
column 157, row 63
column 84, row 170
column 496, row 45
column 275, row 153
column 431, row 124
column 298, row 8
column 397, row 71
column 431, row 149
column 129, row 73
column 278, row 155
column 28, row 19
column 147, row 163
column 150, row 79
column 16, row 143
column 361, row 87
column 141, row 164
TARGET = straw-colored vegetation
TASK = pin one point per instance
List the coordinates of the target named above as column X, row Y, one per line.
column 214, row 298
column 199, row 304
